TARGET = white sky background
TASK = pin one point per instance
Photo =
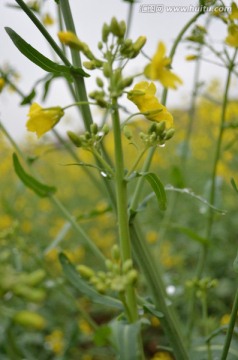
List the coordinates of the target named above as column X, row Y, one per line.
column 89, row 16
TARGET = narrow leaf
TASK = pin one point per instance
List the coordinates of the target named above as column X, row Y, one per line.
column 40, row 60
column 158, row 189
column 190, row 233
column 83, row 287
column 125, row 338
column 234, row 185
column 39, row 188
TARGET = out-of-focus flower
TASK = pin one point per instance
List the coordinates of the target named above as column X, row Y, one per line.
column 55, row 340
column 48, row 20
column 234, row 11
column 2, row 84
column 143, row 96
column 191, row 57
column 159, row 69
column 30, row 319
column 232, row 38
column 225, row 319
column 42, row 120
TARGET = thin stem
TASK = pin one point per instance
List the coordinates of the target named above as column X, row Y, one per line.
column 138, row 159
column 102, row 161
column 121, row 194
column 230, row 328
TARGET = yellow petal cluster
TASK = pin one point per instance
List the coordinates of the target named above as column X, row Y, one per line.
column 232, row 38
column 42, row 120
column 143, row 96
column 158, row 69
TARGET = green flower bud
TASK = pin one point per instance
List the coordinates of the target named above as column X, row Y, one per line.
column 127, row 132
column 99, row 82
column 85, row 271
column 94, row 128
column 131, row 277
column 74, row 138
column 115, row 27
column 101, row 287
column 152, row 128
column 109, row 264
column 100, row 45
column 106, row 70
column 118, row 284
column 29, row 319
column 160, row 127
column 28, row 293
column 138, row 45
column 90, row 65
column 105, row 129
column 115, row 252
column 127, row 265
column 125, row 82
column 34, row 278
column 105, row 32
column 122, row 28
column 169, row 134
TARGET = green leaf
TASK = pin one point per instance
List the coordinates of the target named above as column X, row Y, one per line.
column 234, row 185
column 190, row 233
column 125, row 338
column 40, row 189
column 101, row 335
column 40, row 60
column 28, row 99
column 83, row 287
column 158, row 189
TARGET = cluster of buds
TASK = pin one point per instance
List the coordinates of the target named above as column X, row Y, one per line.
column 202, row 285
column 157, row 134
column 24, row 285
column 90, row 139
column 115, row 279
column 197, row 35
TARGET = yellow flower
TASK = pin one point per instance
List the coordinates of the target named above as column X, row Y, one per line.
column 2, row 84
column 70, row 39
column 47, row 20
column 162, row 355
column 158, row 69
column 42, row 120
column 232, row 38
column 191, row 57
column 234, row 11
column 55, row 341
column 225, row 319
column 143, row 96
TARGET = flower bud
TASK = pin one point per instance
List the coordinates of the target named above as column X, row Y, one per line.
column 131, row 277
column 115, row 252
column 160, row 127
column 94, row 128
column 105, row 32
column 99, row 82
column 106, row 70
column 122, row 28
column 31, row 294
column 169, row 134
column 115, row 27
column 90, row 65
column 138, row 44
column 85, row 271
column 2, row 84
column 127, row 132
column 105, row 129
column 33, row 278
column 30, row 319
column 74, row 138
column 100, row 45
column 127, row 265
column 126, row 82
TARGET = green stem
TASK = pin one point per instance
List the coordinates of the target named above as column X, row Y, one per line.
column 138, row 159
column 78, row 80
column 230, row 328
column 121, row 195
column 102, row 161
column 152, row 274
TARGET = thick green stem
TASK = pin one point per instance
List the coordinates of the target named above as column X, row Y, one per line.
column 121, row 194
column 230, row 328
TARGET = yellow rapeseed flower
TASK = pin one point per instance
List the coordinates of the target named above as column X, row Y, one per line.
column 143, row 96
column 70, row 39
column 2, row 84
column 55, row 340
column 158, row 69
column 191, row 57
column 42, row 120
column 232, row 37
